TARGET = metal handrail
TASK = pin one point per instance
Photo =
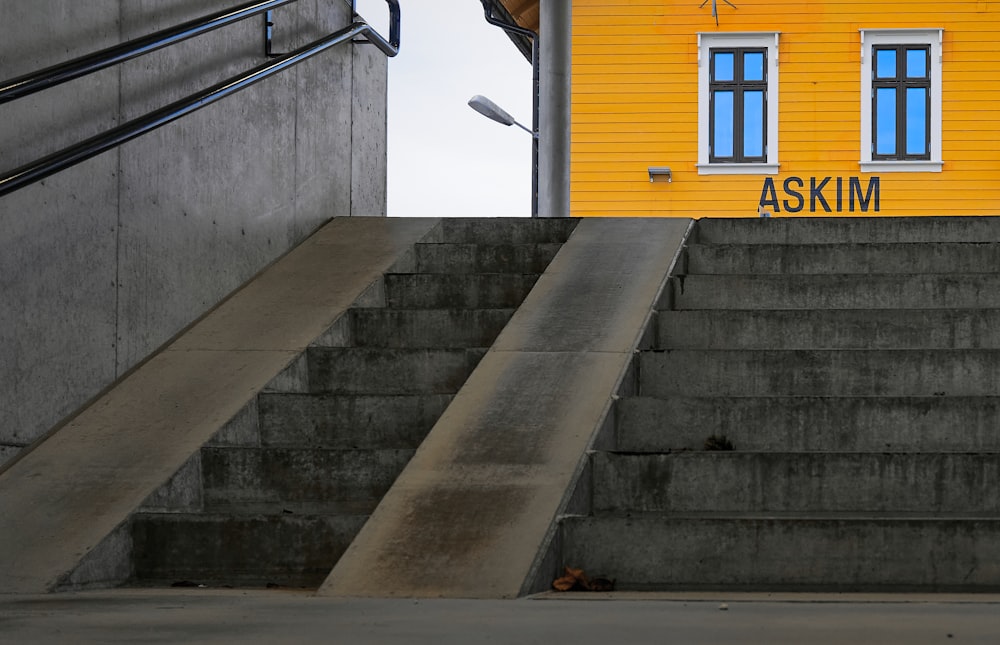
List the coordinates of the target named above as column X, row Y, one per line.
column 67, row 157
column 51, row 76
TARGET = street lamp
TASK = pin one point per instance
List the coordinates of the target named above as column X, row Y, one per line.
column 494, row 112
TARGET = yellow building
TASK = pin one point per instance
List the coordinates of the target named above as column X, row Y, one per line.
column 820, row 107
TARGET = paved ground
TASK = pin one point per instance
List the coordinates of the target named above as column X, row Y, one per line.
column 249, row 617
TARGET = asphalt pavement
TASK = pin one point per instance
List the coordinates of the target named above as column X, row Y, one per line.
column 251, row 617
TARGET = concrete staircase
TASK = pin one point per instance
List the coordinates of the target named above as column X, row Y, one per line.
column 854, row 367
column 277, row 496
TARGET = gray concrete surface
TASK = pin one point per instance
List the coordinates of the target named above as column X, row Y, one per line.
column 831, row 329
column 499, row 231
column 838, row 291
column 334, row 421
column 457, row 290
column 105, row 262
column 362, row 370
column 65, row 496
column 862, row 433
column 810, row 423
column 722, row 372
column 415, row 328
column 210, row 617
column 923, row 257
column 255, row 513
column 741, row 481
column 473, row 258
column 468, row 515
column 769, row 551
column 847, row 230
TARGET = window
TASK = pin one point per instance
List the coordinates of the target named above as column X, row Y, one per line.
column 901, row 100
column 738, row 103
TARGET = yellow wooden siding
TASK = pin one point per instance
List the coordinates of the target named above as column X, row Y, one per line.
column 635, row 105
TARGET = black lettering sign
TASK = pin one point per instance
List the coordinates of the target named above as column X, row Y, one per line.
column 816, row 194
column 860, row 198
column 865, row 201
column 768, row 196
column 794, row 194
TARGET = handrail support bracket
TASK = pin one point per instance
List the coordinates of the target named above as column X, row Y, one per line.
column 269, row 35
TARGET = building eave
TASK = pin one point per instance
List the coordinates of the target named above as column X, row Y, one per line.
column 523, row 13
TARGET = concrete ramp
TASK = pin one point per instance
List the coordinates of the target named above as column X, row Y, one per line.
column 472, row 513
column 61, row 499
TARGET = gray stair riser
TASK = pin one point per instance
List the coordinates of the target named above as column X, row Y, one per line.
column 819, row 373
column 856, row 377
column 848, row 291
column 950, row 483
column 928, row 257
column 830, row 329
column 457, row 291
column 884, row 554
column 240, row 550
column 395, row 371
column 284, row 477
column 427, row 328
column 503, row 231
column 345, row 421
column 847, row 230
column 860, row 424
column 480, row 258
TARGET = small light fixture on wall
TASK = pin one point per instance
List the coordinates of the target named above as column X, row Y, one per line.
column 660, row 173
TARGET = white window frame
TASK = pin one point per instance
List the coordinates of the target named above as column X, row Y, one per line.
column 762, row 39
column 871, row 38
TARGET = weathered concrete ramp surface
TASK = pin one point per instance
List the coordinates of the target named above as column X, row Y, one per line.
column 66, row 495
column 468, row 515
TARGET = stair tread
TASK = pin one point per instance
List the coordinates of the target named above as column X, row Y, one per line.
column 854, row 367
column 790, row 516
column 870, row 258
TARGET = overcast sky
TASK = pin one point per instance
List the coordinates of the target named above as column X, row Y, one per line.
column 444, row 158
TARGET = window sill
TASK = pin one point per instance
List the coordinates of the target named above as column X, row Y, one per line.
column 737, row 169
column 901, row 166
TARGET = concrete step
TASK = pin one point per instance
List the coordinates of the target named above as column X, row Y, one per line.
column 769, row 552
column 841, row 291
column 484, row 258
column 830, row 329
column 427, row 328
column 846, row 230
column 864, row 423
column 360, row 370
column 819, row 373
column 457, row 291
column 481, row 230
column 797, row 482
column 289, row 478
column 327, row 421
column 923, row 257
column 239, row 550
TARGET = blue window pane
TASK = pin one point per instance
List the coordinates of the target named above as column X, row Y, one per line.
column 753, row 124
column 723, row 66
column 723, row 142
column 885, row 121
column 885, row 63
column 916, row 120
column 916, row 63
column 753, row 66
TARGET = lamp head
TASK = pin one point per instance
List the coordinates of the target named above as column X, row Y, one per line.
column 490, row 110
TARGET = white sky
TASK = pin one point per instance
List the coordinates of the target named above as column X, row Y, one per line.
column 444, row 158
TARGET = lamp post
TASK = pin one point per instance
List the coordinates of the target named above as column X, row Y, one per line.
column 494, row 112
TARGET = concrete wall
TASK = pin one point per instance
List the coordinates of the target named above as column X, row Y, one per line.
column 101, row 264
